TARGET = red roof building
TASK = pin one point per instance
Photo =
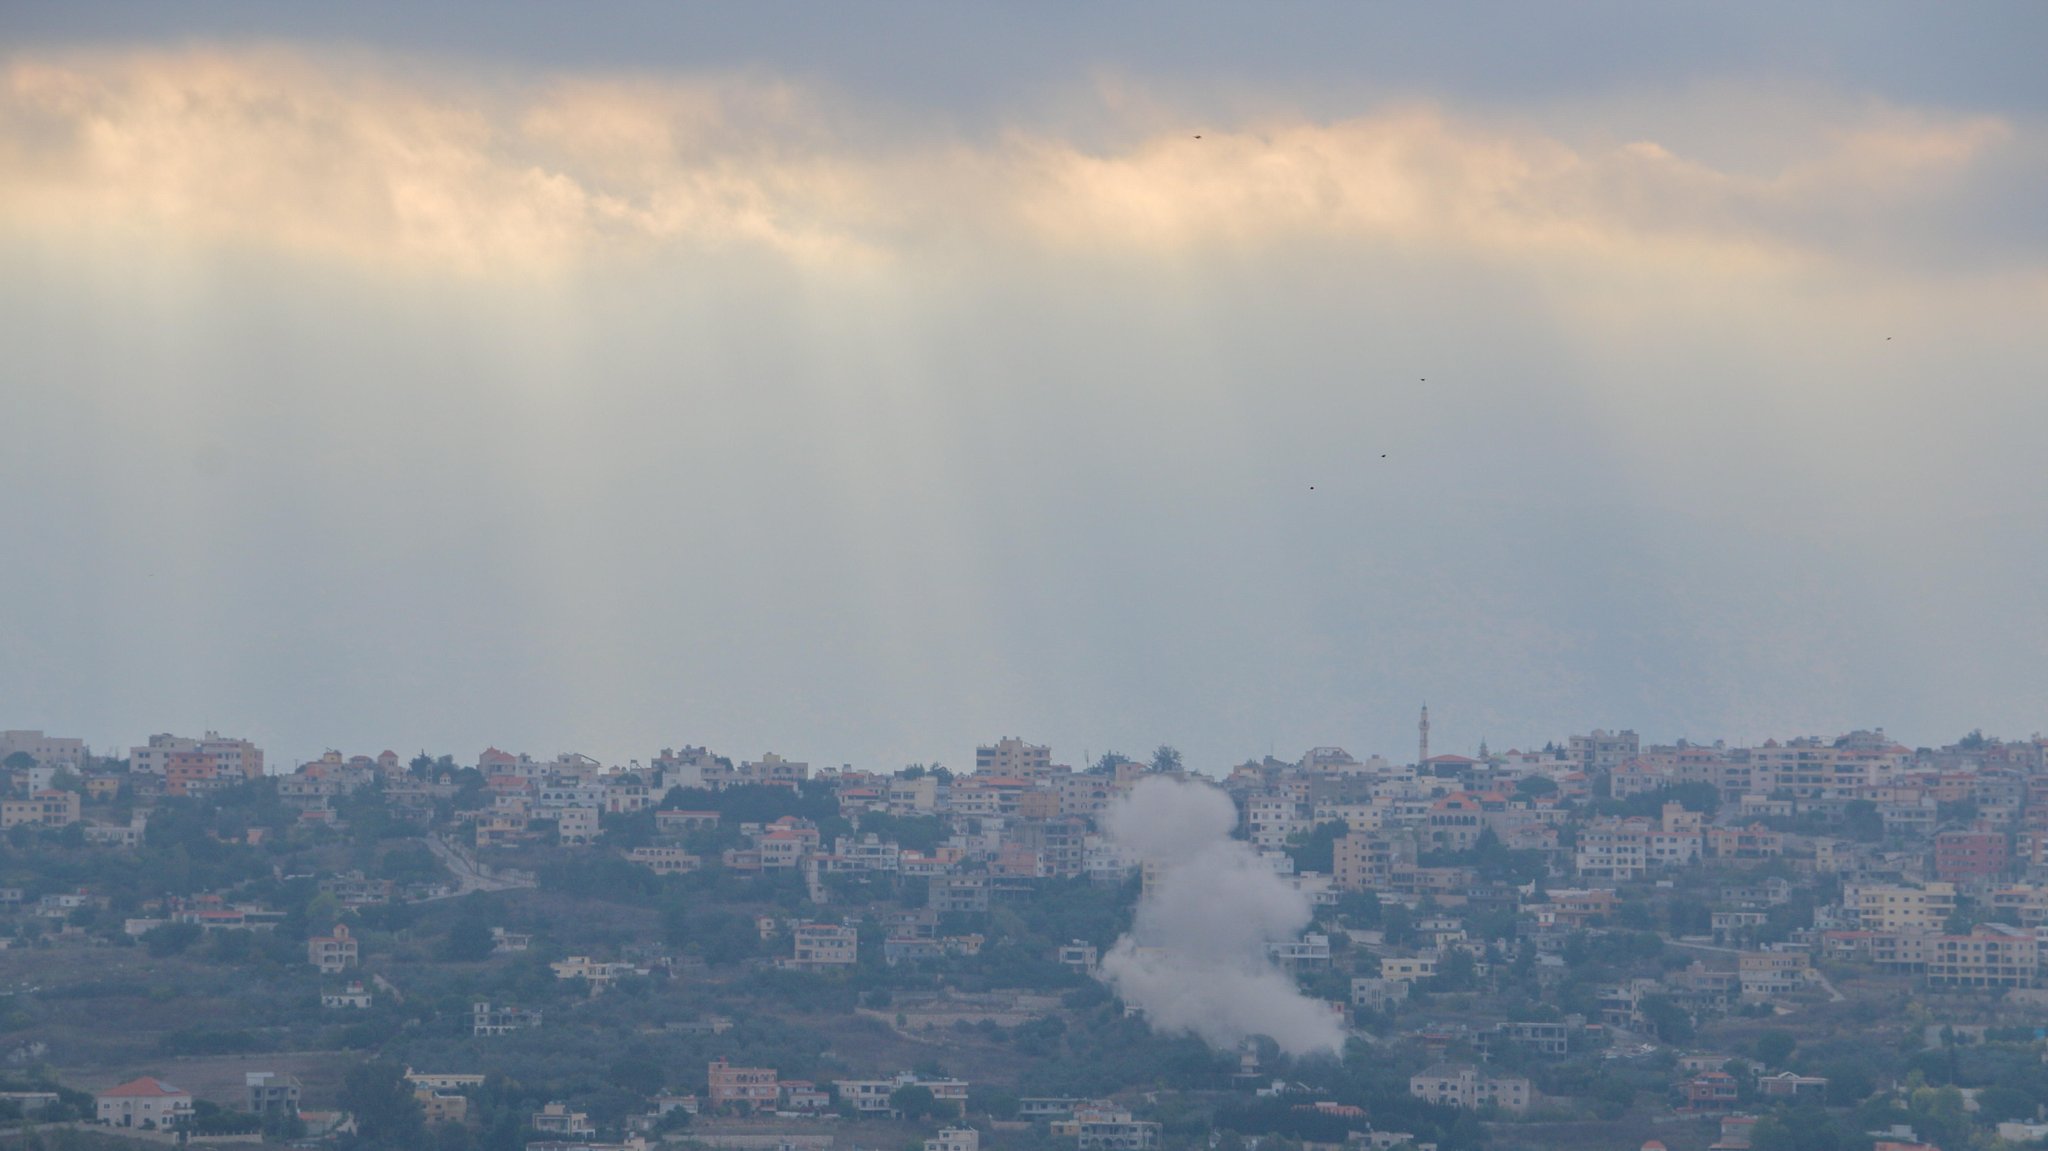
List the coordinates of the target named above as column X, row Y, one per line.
column 143, row 1103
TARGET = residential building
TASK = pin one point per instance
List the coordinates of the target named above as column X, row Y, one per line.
column 1991, row 955
column 1471, row 1088
column 599, row 974
column 954, row 1139
column 557, row 1119
column 438, row 1107
column 486, row 1020
column 576, row 825
column 1601, row 751
column 46, row 750
column 335, row 952
column 1376, row 994
column 720, row 774
column 1768, row 973
column 1309, row 953
column 233, row 757
column 1079, row 955
column 1614, row 849
column 748, row 1088
column 47, row 808
column 505, row 942
column 822, row 945
column 1892, row 907
column 1711, row 1092
column 664, row 860
column 31, row 1102
column 958, row 893
column 128, row 834
column 1797, row 769
column 1792, row 1085
column 1365, row 860
column 272, row 1095
column 871, row 1096
column 1012, row 756
column 144, row 1103
column 1407, row 968
column 353, row 997
column 682, row 822
column 1101, row 1126
column 2027, row 904
column 1542, row 1038
column 1966, row 856
column 442, row 1081
column 802, row 1095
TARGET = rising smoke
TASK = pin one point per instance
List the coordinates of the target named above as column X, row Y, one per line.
column 1196, row 960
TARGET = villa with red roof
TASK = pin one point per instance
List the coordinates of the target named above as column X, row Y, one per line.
column 143, row 1102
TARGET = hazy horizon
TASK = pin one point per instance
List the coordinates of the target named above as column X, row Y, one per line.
column 866, row 387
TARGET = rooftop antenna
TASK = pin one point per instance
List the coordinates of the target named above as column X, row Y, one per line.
column 1422, row 757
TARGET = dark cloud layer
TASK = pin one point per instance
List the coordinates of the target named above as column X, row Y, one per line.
column 984, row 59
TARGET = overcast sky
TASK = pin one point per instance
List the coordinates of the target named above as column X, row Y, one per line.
column 863, row 382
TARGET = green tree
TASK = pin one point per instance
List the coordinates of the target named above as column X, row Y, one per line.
column 1667, row 1018
column 638, row 1070
column 469, row 941
column 1455, row 971
column 1166, row 758
column 994, row 1102
column 386, row 1114
column 322, row 910
column 1996, row 1104
column 1775, row 1047
column 1863, row 822
column 171, row 939
column 913, row 1102
column 1317, row 850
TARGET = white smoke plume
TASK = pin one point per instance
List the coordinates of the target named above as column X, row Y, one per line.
column 1196, row 960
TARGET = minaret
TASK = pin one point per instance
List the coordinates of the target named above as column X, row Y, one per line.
column 1422, row 757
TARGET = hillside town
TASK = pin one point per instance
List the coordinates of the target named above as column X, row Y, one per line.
column 1814, row 942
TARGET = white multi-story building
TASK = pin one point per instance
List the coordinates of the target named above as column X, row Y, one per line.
column 1614, row 849
column 46, row 750
column 1309, row 953
column 1894, row 907
column 820, row 945
column 231, row 757
column 871, row 1096
column 1470, row 1088
column 1097, row 1125
column 664, row 860
column 1273, row 819
column 1012, row 756
column 486, row 1020
column 770, row 768
column 954, row 1139
column 576, row 824
column 867, row 853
